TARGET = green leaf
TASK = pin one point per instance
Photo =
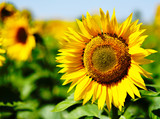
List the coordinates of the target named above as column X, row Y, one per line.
column 154, row 108
column 85, row 110
column 149, row 93
column 45, row 113
column 133, row 112
column 154, row 87
column 65, row 104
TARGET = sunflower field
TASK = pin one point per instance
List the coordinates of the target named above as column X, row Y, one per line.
column 93, row 67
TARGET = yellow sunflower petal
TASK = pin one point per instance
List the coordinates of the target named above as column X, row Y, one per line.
column 103, row 21
column 69, row 77
column 89, row 92
column 102, row 97
column 128, row 88
column 133, row 37
column 83, row 30
column 93, row 25
column 136, row 78
column 99, row 91
column 142, row 71
column 115, row 95
column 109, row 98
column 134, row 88
column 142, row 60
column 75, row 82
column 122, row 93
column 114, row 24
column 95, row 92
column 124, row 27
column 81, row 87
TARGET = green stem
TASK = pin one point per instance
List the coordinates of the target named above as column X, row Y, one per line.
column 106, row 111
column 114, row 113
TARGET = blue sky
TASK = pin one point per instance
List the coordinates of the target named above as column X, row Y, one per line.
column 72, row 9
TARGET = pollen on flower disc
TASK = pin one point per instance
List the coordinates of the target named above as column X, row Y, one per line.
column 106, row 59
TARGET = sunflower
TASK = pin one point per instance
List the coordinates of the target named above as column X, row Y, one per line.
column 103, row 61
column 19, row 40
column 157, row 21
column 2, row 51
column 56, row 28
column 6, row 10
column 157, row 17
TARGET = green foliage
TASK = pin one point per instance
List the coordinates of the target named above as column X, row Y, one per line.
column 30, row 87
column 86, row 110
column 65, row 104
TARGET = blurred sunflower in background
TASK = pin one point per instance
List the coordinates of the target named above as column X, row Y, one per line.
column 157, row 17
column 2, row 51
column 26, row 13
column 18, row 37
column 103, row 61
column 56, row 28
column 6, row 10
column 52, row 29
column 157, row 21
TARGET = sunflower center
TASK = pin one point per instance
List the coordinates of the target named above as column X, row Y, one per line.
column 106, row 59
column 21, row 35
column 103, row 58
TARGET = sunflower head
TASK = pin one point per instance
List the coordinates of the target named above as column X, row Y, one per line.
column 18, row 37
column 6, row 10
column 102, row 60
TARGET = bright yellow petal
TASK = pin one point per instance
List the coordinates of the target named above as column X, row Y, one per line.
column 93, row 25
column 83, row 30
column 73, row 75
column 142, row 71
column 95, row 92
column 89, row 92
column 69, row 77
column 127, row 87
column 109, row 98
column 103, row 21
column 136, row 78
column 133, row 37
column 102, row 97
column 115, row 95
column 81, row 87
column 122, row 93
column 99, row 90
column 134, row 88
column 114, row 24
column 124, row 27
column 75, row 82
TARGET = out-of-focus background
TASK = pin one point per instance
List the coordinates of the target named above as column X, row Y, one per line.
column 73, row 9
column 31, row 89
